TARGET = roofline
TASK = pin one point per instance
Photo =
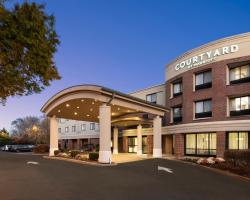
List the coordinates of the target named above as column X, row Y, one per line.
column 242, row 35
column 162, row 84
column 111, row 91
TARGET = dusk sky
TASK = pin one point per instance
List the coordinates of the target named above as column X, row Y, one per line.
column 125, row 44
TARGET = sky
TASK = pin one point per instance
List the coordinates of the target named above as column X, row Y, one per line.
column 125, row 44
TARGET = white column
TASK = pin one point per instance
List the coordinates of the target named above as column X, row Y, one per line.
column 139, row 140
column 157, row 149
column 53, row 135
column 115, row 142
column 105, row 134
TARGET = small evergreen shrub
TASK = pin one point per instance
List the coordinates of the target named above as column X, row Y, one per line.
column 73, row 153
column 93, row 156
column 56, row 152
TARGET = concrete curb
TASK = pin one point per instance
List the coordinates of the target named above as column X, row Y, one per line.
column 80, row 161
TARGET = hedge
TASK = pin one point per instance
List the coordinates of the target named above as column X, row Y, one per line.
column 93, row 156
column 237, row 155
column 73, row 153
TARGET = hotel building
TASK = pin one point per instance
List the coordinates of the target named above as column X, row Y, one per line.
column 202, row 109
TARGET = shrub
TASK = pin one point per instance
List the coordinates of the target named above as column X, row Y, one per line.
column 56, row 152
column 41, row 148
column 73, row 153
column 237, row 156
column 82, row 156
column 93, row 156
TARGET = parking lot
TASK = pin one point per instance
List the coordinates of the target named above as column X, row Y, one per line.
column 25, row 176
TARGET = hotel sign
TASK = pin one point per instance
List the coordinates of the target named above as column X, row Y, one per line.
column 206, row 57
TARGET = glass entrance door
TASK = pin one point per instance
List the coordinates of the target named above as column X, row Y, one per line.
column 132, row 144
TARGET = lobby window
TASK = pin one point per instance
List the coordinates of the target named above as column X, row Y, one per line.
column 240, row 106
column 66, row 129
column 73, row 128
column 203, row 80
column 239, row 74
column 177, row 88
column 152, row 98
column 177, row 114
column 203, row 109
column 83, row 127
column 200, row 144
column 92, row 126
column 238, row 140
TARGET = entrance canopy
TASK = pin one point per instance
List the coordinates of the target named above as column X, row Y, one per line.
column 82, row 103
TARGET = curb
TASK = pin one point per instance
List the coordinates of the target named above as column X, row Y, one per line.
column 80, row 161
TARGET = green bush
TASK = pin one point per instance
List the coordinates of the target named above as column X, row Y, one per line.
column 73, row 153
column 93, row 156
column 41, row 148
column 56, row 152
column 237, row 156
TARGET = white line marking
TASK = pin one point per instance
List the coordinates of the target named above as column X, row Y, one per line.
column 165, row 169
column 32, row 163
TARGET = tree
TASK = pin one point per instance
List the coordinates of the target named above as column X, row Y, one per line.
column 4, row 137
column 30, row 130
column 28, row 41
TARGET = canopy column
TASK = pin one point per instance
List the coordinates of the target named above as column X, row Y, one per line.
column 157, row 150
column 53, row 135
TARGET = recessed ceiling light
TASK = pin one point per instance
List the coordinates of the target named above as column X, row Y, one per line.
column 118, row 108
column 67, row 105
column 98, row 117
column 112, row 113
column 93, row 103
column 88, row 115
column 91, row 109
column 77, row 107
column 95, row 100
column 82, row 100
column 75, row 113
column 59, row 111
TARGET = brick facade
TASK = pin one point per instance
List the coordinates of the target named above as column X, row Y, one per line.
column 179, row 145
column 221, row 144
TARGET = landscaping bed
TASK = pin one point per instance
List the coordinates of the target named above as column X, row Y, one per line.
column 236, row 161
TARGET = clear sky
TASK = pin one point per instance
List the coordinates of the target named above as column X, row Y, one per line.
column 125, row 44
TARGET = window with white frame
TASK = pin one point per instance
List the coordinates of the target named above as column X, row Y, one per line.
column 177, row 114
column 66, row 129
column 92, row 126
column 240, row 106
column 152, row 98
column 73, row 128
column 83, row 127
column 239, row 74
column 238, row 140
column 203, row 80
column 59, row 130
column 177, row 88
column 203, row 108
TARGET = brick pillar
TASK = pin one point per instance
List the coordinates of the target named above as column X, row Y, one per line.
column 70, row 144
column 150, row 144
column 179, row 145
column 125, row 144
column 79, row 144
column 220, row 144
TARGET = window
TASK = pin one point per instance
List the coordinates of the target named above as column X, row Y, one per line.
column 152, row 98
column 177, row 114
column 59, row 130
column 132, row 144
column 240, row 74
column 177, row 88
column 240, row 106
column 201, row 144
column 92, row 126
column 238, row 140
column 203, row 108
column 73, row 128
column 203, row 80
column 83, row 127
column 66, row 129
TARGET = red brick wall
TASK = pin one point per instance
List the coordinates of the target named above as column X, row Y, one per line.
column 220, row 144
column 179, row 145
column 218, row 92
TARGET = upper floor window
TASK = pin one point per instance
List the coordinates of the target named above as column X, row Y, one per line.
column 177, row 88
column 59, row 130
column 83, row 127
column 152, row 98
column 73, row 128
column 240, row 74
column 240, row 106
column 177, row 114
column 66, row 129
column 203, row 80
column 92, row 126
column 203, row 108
